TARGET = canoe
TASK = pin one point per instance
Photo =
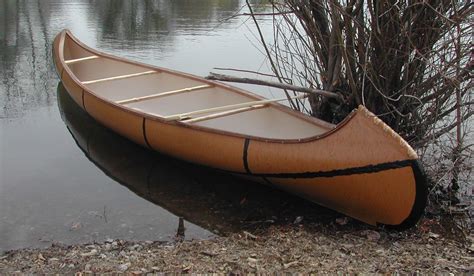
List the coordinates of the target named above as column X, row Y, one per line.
column 360, row 167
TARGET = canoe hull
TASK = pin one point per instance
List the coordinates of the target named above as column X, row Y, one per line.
column 360, row 168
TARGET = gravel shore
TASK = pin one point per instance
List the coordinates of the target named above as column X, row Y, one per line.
column 335, row 247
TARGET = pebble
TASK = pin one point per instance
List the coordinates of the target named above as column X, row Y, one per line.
column 123, row 267
column 52, row 260
column 91, row 253
column 298, row 220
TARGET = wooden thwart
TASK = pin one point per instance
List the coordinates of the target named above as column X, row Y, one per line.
column 120, row 77
column 189, row 115
column 162, row 94
column 80, row 59
column 222, row 114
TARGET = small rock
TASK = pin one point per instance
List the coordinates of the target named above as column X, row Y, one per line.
column 135, row 247
column 371, row 235
column 298, row 220
column 40, row 256
column 433, row 235
column 91, row 253
column 253, row 260
column 87, row 267
column 52, row 260
column 75, row 226
column 123, row 267
column 380, row 251
column 342, row 221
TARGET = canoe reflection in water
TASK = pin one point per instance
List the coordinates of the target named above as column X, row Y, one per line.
column 215, row 201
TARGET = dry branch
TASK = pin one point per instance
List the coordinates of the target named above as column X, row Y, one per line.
column 409, row 62
column 319, row 92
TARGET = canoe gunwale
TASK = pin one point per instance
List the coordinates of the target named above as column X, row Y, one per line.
column 331, row 128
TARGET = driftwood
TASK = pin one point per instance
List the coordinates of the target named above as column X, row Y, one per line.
column 220, row 77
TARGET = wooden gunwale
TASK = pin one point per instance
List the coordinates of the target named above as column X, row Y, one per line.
column 332, row 128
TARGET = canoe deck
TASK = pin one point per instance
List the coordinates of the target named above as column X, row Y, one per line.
column 360, row 167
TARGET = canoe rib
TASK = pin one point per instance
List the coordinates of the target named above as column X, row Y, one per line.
column 121, row 77
column 80, row 59
column 162, row 94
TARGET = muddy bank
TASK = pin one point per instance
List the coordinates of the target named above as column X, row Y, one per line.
column 295, row 248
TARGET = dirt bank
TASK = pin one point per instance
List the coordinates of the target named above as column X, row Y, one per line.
column 337, row 246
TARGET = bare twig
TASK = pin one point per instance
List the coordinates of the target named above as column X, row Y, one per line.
column 220, row 77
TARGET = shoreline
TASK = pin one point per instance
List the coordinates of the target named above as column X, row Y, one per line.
column 339, row 246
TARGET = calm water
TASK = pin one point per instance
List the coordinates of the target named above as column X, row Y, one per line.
column 64, row 178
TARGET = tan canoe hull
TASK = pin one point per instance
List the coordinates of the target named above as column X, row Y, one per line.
column 361, row 167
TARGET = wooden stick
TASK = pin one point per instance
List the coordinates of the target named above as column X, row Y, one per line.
column 80, row 59
column 222, row 114
column 188, row 115
column 162, row 94
column 220, row 77
column 120, row 77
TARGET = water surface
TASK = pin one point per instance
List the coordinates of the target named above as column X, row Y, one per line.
column 63, row 177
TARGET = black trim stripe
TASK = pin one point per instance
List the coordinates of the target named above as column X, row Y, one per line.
column 83, row 103
column 62, row 71
column 267, row 181
column 144, row 133
column 420, row 200
column 340, row 172
column 245, row 157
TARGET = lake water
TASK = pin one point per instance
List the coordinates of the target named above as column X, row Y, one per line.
column 64, row 178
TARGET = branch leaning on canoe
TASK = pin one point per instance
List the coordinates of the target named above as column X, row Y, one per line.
column 329, row 94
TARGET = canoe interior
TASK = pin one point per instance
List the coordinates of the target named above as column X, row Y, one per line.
column 267, row 122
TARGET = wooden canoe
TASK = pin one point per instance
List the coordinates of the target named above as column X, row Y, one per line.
column 359, row 167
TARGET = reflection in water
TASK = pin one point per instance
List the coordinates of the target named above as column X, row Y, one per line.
column 144, row 28
column 50, row 193
column 217, row 202
column 25, row 56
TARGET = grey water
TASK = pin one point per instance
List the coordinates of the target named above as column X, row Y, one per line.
column 66, row 179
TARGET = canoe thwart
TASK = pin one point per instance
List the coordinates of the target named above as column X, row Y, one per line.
column 188, row 115
column 162, row 94
column 120, row 77
column 222, row 114
column 80, row 59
